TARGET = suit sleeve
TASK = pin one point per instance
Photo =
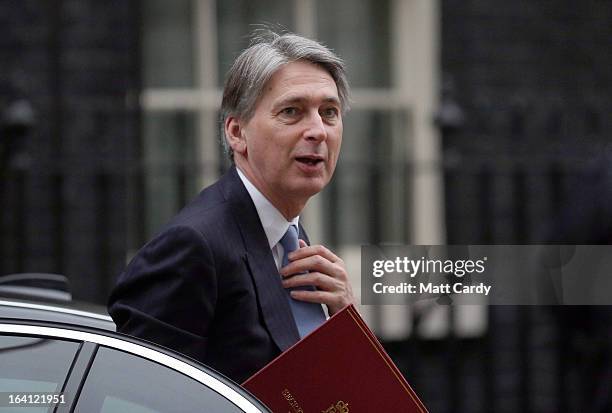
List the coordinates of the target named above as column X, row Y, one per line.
column 168, row 292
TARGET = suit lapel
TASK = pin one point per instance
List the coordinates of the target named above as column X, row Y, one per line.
column 272, row 297
column 302, row 234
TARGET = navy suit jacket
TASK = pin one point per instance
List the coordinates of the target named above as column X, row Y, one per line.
column 208, row 287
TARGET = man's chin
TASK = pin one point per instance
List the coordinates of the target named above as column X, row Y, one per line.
column 309, row 187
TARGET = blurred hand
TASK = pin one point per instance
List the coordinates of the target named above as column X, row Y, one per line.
column 317, row 266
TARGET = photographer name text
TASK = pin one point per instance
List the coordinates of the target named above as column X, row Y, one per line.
column 444, row 276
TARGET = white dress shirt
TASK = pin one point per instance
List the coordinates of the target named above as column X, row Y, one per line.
column 274, row 223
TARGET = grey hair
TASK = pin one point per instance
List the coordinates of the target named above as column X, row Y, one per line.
column 268, row 52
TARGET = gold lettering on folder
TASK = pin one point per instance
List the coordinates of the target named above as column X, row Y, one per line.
column 292, row 402
column 339, row 407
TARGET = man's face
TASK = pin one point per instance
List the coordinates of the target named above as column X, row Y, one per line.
column 291, row 144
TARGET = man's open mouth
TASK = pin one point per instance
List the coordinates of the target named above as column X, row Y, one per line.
column 309, row 160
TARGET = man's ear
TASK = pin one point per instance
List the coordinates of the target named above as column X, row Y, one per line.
column 235, row 135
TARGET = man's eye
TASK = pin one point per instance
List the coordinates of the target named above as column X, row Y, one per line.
column 289, row 111
column 330, row 112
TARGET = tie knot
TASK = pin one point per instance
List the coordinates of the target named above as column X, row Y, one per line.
column 289, row 241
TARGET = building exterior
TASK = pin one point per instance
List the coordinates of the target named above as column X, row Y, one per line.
column 64, row 190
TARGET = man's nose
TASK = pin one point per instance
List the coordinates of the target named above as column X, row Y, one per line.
column 315, row 128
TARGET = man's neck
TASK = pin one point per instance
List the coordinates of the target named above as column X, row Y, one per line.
column 273, row 222
column 288, row 209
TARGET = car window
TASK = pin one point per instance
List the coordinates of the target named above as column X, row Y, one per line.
column 30, row 364
column 122, row 382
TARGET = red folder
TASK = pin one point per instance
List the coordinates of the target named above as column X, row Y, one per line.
column 338, row 368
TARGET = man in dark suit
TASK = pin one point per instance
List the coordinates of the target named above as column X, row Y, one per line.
column 226, row 282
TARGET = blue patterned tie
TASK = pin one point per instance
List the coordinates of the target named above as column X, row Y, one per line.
column 308, row 316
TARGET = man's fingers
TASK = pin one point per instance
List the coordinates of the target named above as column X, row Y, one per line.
column 317, row 266
column 308, row 250
column 311, row 263
column 316, row 279
column 319, row 297
column 333, row 301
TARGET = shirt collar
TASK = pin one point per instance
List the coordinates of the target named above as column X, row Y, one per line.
column 274, row 223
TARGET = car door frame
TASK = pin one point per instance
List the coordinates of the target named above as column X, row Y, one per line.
column 91, row 339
